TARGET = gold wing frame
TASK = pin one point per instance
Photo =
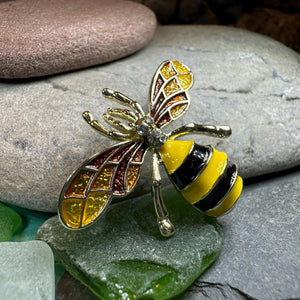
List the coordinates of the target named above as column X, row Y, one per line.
column 89, row 190
column 168, row 98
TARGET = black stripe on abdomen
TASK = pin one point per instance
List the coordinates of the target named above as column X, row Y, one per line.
column 191, row 167
column 219, row 191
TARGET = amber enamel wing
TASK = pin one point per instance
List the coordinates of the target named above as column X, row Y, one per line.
column 114, row 172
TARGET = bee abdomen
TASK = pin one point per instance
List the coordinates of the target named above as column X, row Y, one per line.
column 217, row 185
column 205, row 179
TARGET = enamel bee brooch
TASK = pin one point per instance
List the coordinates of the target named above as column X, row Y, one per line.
column 201, row 174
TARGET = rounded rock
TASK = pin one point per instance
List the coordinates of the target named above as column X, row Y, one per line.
column 242, row 79
column 39, row 37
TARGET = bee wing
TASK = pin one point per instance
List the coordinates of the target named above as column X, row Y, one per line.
column 89, row 190
column 168, row 94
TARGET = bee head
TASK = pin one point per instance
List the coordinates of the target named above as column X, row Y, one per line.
column 146, row 128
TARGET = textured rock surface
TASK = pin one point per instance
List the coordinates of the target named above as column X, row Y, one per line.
column 27, row 271
column 9, row 222
column 124, row 255
column 260, row 256
column 53, row 37
column 284, row 27
column 241, row 79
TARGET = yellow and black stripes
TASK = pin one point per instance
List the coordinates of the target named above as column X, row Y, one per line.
column 219, row 190
column 191, row 167
column 202, row 175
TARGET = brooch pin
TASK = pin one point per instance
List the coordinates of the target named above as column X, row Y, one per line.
column 201, row 174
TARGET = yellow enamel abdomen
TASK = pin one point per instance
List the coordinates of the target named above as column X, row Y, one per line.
column 202, row 175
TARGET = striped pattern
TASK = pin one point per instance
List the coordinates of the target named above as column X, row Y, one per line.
column 205, row 179
column 191, row 167
column 219, row 191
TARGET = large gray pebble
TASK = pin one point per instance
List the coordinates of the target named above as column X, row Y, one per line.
column 260, row 256
column 242, row 79
column 27, row 271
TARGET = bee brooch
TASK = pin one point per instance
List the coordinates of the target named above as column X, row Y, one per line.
column 201, row 174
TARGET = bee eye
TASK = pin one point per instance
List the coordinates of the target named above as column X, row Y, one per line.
column 142, row 129
column 162, row 139
column 156, row 132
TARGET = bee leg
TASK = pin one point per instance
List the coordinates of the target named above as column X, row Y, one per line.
column 118, row 124
column 121, row 98
column 222, row 131
column 124, row 114
column 102, row 130
column 165, row 226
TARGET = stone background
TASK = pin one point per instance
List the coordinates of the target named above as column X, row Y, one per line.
column 277, row 19
column 244, row 79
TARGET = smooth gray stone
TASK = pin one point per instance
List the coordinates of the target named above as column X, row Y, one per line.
column 242, row 79
column 261, row 255
column 27, row 271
